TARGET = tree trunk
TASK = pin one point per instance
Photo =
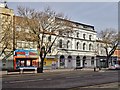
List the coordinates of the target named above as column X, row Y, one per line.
column 107, row 61
column 40, row 68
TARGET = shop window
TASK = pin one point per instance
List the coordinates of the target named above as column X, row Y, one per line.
column 34, row 63
column 22, row 63
column 92, row 61
column 78, row 62
column 28, row 62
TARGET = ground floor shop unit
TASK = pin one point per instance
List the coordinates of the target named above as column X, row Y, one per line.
column 25, row 62
column 25, row 58
column 50, row 63
column 74, row 61
column 101, row 61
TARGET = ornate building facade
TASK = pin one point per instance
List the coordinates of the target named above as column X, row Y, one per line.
column 70, row 50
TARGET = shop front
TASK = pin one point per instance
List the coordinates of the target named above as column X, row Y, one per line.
column 50, row 63
column 25, row 58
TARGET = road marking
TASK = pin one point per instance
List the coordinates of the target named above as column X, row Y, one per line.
column 74, row 77
column 31, row 80
column 28, row 80
column 16, row 81
column 24, row 81
column 49, row 79
column 41, row 79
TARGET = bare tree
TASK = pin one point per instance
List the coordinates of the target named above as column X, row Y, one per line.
column 6, row 35
column 110, row 39
column 42, row 23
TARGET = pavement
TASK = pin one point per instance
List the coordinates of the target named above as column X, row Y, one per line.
column 54, row 70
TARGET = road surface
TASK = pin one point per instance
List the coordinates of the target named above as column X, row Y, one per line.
column 70, row 80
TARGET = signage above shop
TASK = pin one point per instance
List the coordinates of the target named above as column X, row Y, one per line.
column 21, row 52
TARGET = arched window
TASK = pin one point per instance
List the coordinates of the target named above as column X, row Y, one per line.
column 60, row 43
column 84, row 36
column 77, row 34
column 90, row 37
column 77, row 46
column 90, row 47
column 84, row 46
column 69, row 58
column 62, row 60
column 97, row 46
column 68, row 44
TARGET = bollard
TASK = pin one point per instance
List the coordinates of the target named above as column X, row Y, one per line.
column 21, row 70
column 94, row 69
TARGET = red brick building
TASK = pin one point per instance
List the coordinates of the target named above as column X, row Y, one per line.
column 117, row 53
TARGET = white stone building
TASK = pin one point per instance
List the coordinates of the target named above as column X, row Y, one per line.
column 77, row 49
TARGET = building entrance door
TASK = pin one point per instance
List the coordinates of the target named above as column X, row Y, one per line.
column 69, row 65
column 84, row 61
column 78, row 62
column 62, row 61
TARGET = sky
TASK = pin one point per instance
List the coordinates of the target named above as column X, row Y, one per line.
column 101, row 15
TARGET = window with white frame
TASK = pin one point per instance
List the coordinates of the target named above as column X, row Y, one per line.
column 77, row 45
column 84, row 46
column 31, row 44
column 19, row 44
column 77, row 34
column 60, row 43
column 49, row 38
column 84, row 36
column 90, row 47
column 68, row 44
column 34, row 44
column 26, row 29
column 90, row 37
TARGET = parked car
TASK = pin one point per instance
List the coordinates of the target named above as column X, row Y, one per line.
column 116, row 66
